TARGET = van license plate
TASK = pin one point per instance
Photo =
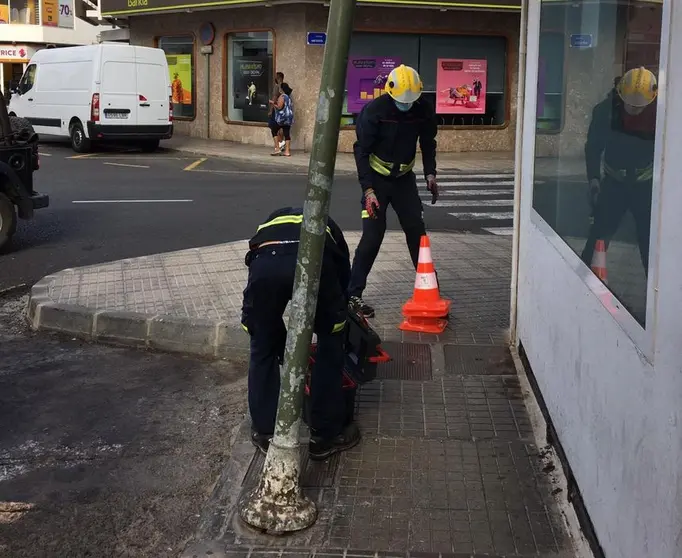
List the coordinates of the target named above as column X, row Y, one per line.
column 117, row 115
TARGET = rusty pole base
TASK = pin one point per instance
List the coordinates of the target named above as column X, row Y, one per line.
column 277, row 505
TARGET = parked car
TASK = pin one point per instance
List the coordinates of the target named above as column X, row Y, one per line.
column 97, row 93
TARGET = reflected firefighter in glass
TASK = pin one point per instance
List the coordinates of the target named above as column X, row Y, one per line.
column 388, row 129
column 622, row 130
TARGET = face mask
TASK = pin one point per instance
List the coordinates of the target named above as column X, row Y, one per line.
column 633, row 111
column 403, row 107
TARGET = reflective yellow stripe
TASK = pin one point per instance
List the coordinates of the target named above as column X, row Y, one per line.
column 384, row 168
column 288, row 220
column 339, row 327
column 647, row 173
column 246, row 329
column 365, row 214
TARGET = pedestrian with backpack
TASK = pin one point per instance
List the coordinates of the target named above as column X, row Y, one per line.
column 283, row 120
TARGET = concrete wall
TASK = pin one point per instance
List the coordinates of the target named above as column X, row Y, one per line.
column 302, row 64
column 614, row 394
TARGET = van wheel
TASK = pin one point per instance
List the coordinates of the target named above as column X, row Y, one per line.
column 79, row 143
column 8, row 220
column 149, row 146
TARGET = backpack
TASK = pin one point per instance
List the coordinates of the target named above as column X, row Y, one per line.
column 285, row 116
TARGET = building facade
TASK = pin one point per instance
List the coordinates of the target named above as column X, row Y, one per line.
column 253, row 40
column 29, row 25
column 597, row 283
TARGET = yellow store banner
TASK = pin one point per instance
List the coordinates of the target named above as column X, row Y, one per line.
column 50, row 11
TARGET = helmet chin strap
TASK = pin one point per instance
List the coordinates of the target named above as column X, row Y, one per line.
column 633, row 111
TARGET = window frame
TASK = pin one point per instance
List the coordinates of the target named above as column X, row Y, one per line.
column 227, row 68
column 193, row 36
column 507, row 77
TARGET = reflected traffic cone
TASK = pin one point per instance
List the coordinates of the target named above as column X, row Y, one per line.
column 426, row 311
column 599, row 260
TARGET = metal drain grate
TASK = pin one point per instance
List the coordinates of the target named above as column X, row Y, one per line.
column 478, row 360
column 409, row 361
column 320, row 474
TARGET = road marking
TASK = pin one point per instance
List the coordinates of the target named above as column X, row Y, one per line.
column 474, row 203
column 132, row 201
column 475, row 183
column 195, row 164
column 44, row 154
column 466, row 193
column 82, row 156
column 473, row 216
column 127, row 165
column 251, row 172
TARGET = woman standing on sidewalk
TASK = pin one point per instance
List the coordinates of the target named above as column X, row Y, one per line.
column 283, row 119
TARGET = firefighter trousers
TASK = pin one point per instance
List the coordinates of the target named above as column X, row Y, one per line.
column 268, row 291
column 614, row 200
column 402, row 194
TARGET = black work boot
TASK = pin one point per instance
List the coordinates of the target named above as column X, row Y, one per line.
column 261, row 441
column 358, row 305
column 320, row 449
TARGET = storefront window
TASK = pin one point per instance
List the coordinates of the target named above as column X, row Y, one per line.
column 594, row 179
column 250, row 75
column 25, row 12
column 465, row 77
column 550, row 113
column 180, row 56
column 4, row 11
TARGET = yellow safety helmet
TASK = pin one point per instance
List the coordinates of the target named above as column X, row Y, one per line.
column 638, row 87
column 404, row 84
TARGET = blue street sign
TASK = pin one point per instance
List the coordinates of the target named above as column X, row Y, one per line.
column 318, row 38
column 581, row 41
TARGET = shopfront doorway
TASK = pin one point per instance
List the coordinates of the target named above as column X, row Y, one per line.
column 10, row 72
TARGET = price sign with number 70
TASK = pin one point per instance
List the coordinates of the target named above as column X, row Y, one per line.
column 66, row 14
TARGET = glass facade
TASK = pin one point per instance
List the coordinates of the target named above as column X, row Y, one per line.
column 180, row 56
column 473, row 93
column 594, row 176
column 250, row 76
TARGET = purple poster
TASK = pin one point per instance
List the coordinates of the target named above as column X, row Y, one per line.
column 542, row 77
column 366, row 78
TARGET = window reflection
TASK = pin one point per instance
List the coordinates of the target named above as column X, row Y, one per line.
column 594, row 179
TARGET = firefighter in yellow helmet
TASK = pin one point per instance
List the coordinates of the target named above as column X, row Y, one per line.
column 622, row 130
column 388, row 129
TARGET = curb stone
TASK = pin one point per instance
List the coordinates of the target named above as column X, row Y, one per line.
column 213, row 339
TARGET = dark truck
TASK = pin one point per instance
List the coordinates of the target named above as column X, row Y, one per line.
column 18, row 161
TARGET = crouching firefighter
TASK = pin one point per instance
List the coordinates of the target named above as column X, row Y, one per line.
column 388, row 129
column 622, row 130
column 272, row 266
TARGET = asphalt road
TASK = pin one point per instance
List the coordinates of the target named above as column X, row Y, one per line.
column 220, row 201
column 106, row 451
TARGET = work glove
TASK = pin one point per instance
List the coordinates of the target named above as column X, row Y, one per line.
column 432, row 187
column 593, row 192
column 371, row 203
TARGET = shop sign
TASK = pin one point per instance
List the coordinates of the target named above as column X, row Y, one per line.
column 319, row 39
column 366, row 78
column 461, row 86
column 581, row 41
column 16, row 53
column 120, row 7
column 58, row 13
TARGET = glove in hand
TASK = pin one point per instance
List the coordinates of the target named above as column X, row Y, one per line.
column 371, row 203
column 432, row 187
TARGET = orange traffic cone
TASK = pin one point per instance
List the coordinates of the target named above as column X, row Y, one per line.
column 599, row 260
column 426, row 311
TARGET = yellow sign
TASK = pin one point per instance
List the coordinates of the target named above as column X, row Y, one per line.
column 50, row 11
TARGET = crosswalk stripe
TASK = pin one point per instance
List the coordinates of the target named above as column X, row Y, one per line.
column 476, row 183
column 465, row 193
column 478, row 215
column 474, row 203
column 500, row 231
column 508, row 176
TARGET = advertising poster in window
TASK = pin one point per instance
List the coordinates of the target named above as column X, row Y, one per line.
column 50, row 12
column 461, row 86
column 65, row 19
column 180, row 70
column 252, row 85
column 366, row 78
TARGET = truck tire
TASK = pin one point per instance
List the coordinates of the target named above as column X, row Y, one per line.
column 79, row 143
column 22, row 128
column 8, row 220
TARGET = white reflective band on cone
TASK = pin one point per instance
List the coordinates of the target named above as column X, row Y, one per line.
column 425, row 281
column 425, row 256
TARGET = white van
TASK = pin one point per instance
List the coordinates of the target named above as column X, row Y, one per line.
column 97, row 93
